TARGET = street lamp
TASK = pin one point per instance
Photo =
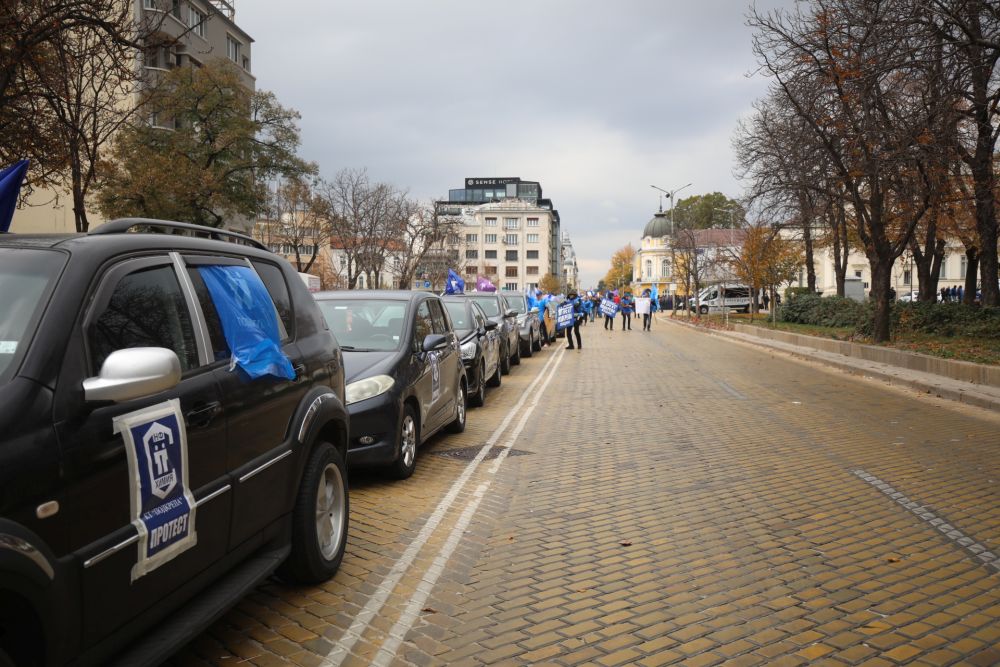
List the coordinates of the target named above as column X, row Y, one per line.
column 670, row 194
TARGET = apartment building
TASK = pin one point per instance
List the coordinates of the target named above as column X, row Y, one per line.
column 509, row 231
column 189, row 32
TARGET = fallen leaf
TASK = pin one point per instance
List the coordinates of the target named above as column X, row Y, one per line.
column 625, row 543
column 429, row 610
column 893, row 559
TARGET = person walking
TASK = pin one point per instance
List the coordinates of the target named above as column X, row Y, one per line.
column 588, row 309
column 578, row 315
column 628, row 307
column 609, row 319
column 647, row 317
column 767, row 301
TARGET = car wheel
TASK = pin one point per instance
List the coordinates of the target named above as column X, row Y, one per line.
column 409, row 440
column 515, row 359
column 704, row 310
column 458, row 425
column 319, row 520
column 505, row 360
column 537, row 342
column 529, row 349
column 479, row 398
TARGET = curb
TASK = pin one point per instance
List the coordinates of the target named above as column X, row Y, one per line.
column 961, row 391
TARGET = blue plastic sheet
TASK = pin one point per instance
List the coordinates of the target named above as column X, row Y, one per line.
column 249, row 321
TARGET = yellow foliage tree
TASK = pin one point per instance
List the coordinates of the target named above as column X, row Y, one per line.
column 620, row 273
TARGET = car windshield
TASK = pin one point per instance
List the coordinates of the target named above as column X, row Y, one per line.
column 459, row 317
column 26, row 276
column 517, row 304
column 489, row 304
column 365, row 325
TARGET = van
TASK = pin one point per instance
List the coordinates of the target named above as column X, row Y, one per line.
column 736, row 297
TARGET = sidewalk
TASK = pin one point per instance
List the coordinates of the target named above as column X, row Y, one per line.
column 972, row 384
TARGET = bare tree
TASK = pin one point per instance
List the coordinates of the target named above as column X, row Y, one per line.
column 294, row 222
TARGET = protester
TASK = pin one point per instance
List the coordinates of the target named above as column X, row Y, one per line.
column 767, row 301
column 609, row 319
column 578, row 315
column 647, row 317
column 627, row 307
column 588, row 309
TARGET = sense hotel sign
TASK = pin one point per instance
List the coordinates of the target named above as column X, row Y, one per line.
column 489, row 182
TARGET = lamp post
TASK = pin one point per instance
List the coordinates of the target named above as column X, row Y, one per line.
column 670, row 194
column 673, row 263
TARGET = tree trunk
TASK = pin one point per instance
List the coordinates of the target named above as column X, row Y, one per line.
column 805, row 213
column 986, row 226
column 971, row 271
column 881, row 282
column 841, row 248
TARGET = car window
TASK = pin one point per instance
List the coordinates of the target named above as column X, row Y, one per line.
column 489, row 304
column 459, row 315
column 25, row 278
column 146, row 309
column 437, row 318
column 220, row 348
column 423, row 325
column 479, row 315
column 517, row 304
column 364, row 324
column 274, row 281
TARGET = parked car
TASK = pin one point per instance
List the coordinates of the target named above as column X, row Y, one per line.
column 498, row 310
column 128, row 401
column 735, row 297
column 405, row 379
column 479, row 342
column 528, row 324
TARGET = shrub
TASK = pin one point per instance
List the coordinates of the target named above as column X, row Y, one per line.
column 830, row 311
column 947, row 319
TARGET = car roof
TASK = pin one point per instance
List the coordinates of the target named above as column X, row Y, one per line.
column 109, row 244
column 375, row 295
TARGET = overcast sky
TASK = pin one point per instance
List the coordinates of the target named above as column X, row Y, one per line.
column 595, row 100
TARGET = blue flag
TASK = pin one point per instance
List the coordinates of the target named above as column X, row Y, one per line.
column 10, row 187
column 454, row 284
column 655, row 296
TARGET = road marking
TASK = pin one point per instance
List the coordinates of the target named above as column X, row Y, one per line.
column 375, row 603
column 979, row 553
column 387, row 652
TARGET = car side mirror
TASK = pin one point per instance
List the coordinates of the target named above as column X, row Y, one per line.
column 133, row 373
column 433, row 342
column 510, row 313
column 491, row 325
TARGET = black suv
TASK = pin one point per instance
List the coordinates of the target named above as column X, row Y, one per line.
column 172, row 432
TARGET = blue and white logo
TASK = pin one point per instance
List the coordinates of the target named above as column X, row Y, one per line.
column 157, row 441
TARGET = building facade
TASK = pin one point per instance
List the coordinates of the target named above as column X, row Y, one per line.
column 189, row 32
column 508, row 233
column 570, row 269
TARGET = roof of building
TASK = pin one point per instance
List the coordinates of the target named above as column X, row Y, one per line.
column 659, row 225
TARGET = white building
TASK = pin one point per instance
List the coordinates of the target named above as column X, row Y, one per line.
column 509, row 233
column 570, row 269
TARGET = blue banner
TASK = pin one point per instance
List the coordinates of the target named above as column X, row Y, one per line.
column 249, row 321
column 454, row 284
column 564, row 316
column 609, row 308
column 10, row 188
column 162, row 506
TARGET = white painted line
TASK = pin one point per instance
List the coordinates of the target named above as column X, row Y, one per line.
column 387, row 652
column 936, row 522
column 375, row 603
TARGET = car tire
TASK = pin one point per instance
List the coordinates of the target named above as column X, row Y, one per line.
column 537, row 342
column 409, row 442
column 505, row 359
column 703, row 310
column 529, row 349
column 319, row 519
column 458, row 425
column 515, row 359
column 479, row 398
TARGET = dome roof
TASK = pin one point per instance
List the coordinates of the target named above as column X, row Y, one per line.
column 658, row 226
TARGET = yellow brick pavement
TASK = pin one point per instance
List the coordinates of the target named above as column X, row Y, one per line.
column 684, row 500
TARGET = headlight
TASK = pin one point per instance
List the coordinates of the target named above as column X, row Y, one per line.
column 469, row 350
column 368, row 388
column 521, row 319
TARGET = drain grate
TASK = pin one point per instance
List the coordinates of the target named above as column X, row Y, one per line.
column 469, row 453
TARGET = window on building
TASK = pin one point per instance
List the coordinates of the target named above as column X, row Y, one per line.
column 149, row 4
column 490, row 270
column 510, row 239
column 510, row 287
column 649, row 268
column 233, row 47
column 471, row 238
column 490, row 238
column 490, row 254
column 531, row 270
column 511, row 256
column 510, row 272
column 510, row 223
column 857, row 273
column 196, row 20
column 246, row 63
column 175, row 9
column 906, row 277
column 532, row 254
column 665, row 268
column 963, row 267
column 491, row 222
column 532, row 222
column 471, row 270
column 532, row 238
column 472, row 254
column 452, row 239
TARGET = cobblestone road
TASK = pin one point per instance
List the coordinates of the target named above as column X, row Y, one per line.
column 669, row 497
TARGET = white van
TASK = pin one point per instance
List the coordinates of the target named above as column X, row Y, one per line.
column 736, row 297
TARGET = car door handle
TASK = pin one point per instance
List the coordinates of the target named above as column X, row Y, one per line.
column 203, row 414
